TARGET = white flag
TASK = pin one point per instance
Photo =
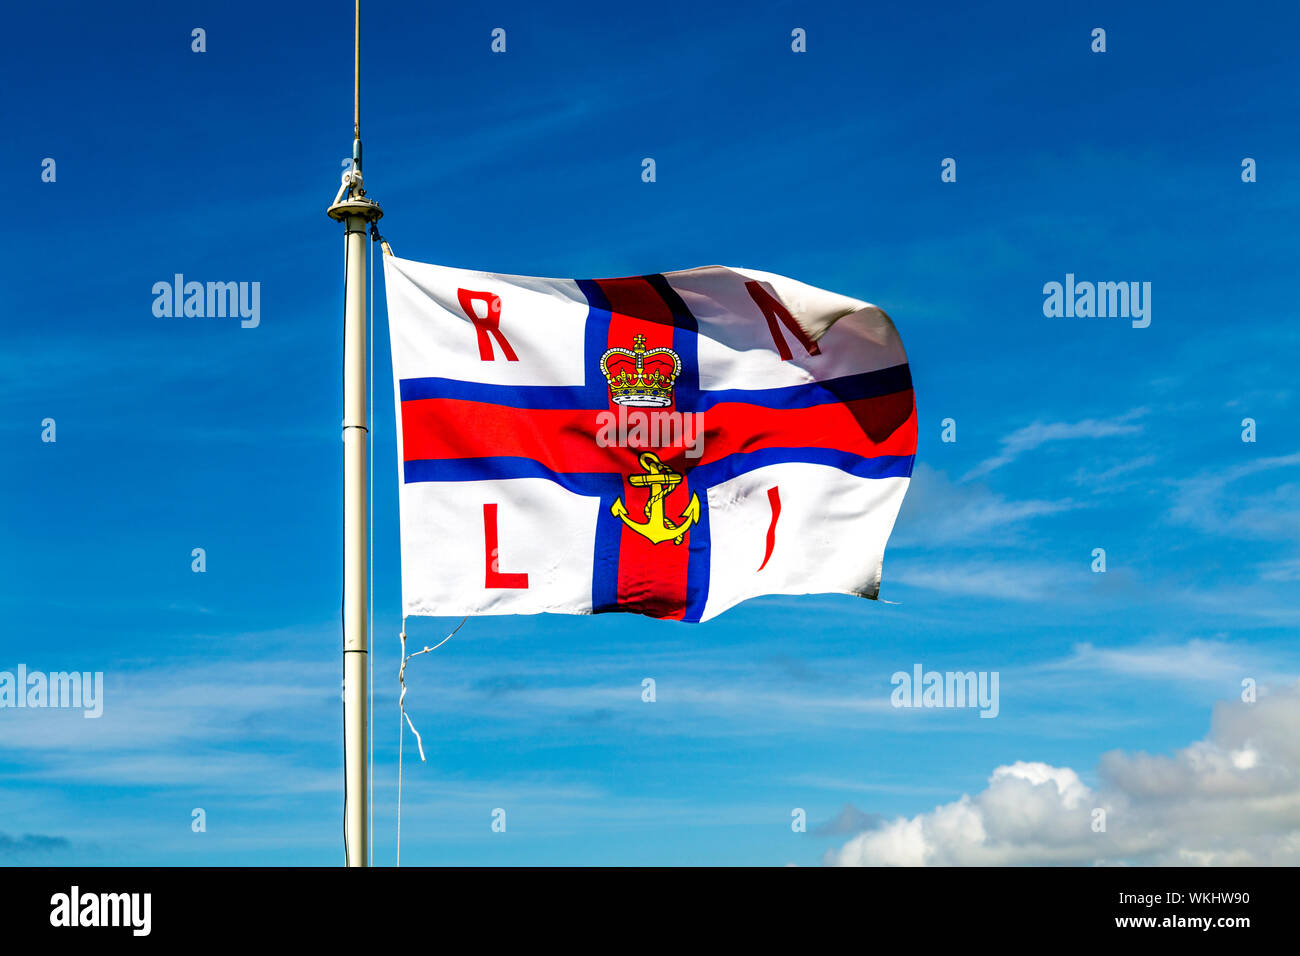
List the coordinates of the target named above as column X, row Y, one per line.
column 667, row 444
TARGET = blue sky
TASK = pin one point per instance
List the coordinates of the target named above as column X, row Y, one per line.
column 222, row 688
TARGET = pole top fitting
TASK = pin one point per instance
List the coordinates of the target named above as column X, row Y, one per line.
column 367, row 209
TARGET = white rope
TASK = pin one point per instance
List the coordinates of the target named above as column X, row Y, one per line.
column 405, row 719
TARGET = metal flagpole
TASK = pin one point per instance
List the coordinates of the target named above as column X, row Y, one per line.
column 356, row 212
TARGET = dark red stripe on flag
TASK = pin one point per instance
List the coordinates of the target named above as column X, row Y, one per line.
column 651, row 577
column 561, row 439
column 869, row 427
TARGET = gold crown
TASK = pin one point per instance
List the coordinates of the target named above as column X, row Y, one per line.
column 630, row 383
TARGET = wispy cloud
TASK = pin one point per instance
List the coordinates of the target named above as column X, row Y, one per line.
column 939, row 511
column 1270, row 510
column 1011, row 580
column 1105, row 479
column 1196, row 661
column 1033, row 436
column 1288, row 570
column 30, row 844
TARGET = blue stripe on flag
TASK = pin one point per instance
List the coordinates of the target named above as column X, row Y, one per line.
column 846, row 389
column 882, row 466
column 599, row 484
column 502, row 468
column 697, row 565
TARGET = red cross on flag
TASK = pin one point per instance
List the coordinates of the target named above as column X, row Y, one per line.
column 668, row 445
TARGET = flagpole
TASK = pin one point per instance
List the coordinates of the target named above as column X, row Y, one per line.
column 352, row 208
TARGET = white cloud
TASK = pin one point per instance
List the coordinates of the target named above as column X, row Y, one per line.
column 1230, row 799
column 985, row 577
column 1041, row 433
column 1241, row 605
column 1288, row 570
column 1267, row 510
column 1105, row 480
column 1193, row 661
column 1030, row 812
column 938, row 511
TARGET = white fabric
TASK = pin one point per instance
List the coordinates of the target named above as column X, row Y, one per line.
column 833, row 526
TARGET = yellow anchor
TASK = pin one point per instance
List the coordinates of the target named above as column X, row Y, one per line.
column 661, row 480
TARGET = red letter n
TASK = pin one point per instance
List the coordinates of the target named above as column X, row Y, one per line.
column 495, row 578
column 773, row 310
column 487, row 324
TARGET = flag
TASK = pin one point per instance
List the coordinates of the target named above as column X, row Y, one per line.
column 669, row 445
